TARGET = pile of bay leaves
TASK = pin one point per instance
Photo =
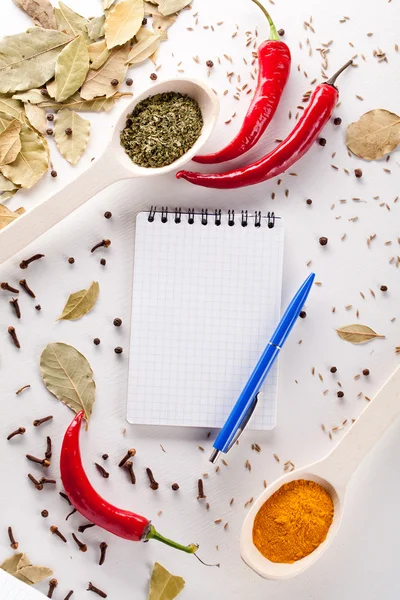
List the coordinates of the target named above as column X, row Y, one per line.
column 70, row 64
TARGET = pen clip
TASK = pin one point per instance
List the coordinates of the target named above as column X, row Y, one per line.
column 244, row 423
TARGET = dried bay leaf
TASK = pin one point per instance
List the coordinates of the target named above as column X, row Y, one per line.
column 71, row 146
column 36, row 117
column 33, row 96
column 32, row 161
column 70, row 21
column 68, row 375
column 107, row 4
column 20, row 566
column 20, row 72
column 12, row 108
column 40, row 11
column 6, row 185
column 168, row 7
column 123, row 22
column 357, row 334
column 77, row 103
column 98, row 54
column 8, row 216
column 95, row 27
column 71, row 68
column 35, row 574
column 80, row 303
column 151, row 9
column 161, row 24
column 144, row 48
column 98, row 82
column 375, row 134
column 163, row 585
column 51, row 88
column 10, row 142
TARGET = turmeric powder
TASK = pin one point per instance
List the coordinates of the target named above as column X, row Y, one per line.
column 293, row 522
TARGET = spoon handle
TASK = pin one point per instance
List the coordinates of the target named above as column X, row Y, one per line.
column 379, row 415
column 29, row 226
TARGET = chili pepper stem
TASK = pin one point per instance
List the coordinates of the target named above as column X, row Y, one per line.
column 332, row 80
column 273, row 34
column 154, row 535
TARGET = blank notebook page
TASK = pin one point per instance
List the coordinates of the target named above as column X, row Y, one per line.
column 206, row 300
column 13, row 589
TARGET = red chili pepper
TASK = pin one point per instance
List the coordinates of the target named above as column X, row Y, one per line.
column 91, row 505
column 273, row 72
column 301, row 138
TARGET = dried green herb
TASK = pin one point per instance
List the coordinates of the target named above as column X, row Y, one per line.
column 161, row 129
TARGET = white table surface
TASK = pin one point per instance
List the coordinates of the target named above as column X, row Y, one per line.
column 362, row 561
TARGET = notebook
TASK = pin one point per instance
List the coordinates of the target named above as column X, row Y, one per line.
column 206, row 299
column 13, row 589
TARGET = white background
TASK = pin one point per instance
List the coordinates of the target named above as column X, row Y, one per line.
column 362, row 562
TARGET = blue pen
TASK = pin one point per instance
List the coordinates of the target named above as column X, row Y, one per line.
column 247, row 401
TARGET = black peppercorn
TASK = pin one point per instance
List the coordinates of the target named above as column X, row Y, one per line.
column 45, row 514
column 365, row 372
column 384, row 288
column 50, row 117
column 144, row 22
column 175, row 487
column 309, row 201
column 323, row 241
column 333, row 369
column 49, row 131
column 53, row 173
column 340, row 394
column 68, row 131
column 153, row 76
column 96, row 341
column 103, row 261
column 71, row 260
column 44, row 92
column 302, row 314
column 117, row 322
column 38, row 307
column 210, row 64
column 281, row 32
column 104, row 456
column 322, row 141
column 114, row 82
column 358, row 173
column 118, row 350
column 108, row 214
column 337, row 121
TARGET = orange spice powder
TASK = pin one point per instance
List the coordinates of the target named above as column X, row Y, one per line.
column 293, row 522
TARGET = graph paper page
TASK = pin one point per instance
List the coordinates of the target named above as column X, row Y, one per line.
column 206, row 299
column 13, row 589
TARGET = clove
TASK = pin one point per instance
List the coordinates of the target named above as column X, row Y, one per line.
column 58, row 533
column 19, row 431
column 24, row 264
column 102, row 244
column 82, row 547
column 38, row 422
column 93, row 588
column 15, row 305
column 83, row 528
column 153, row 482
column 45, row 480
column 102, row 471
column 48, row 454
column 103, row 550
column 26, row 287
column 64, row 495
column 44, row 462
column 36, row 483
column 13, row 543
column 13, row 334
column 68, row 596
column 130, row 454
column 53, row 583
column 200, row 488
column 129, row 467
column 25, row 387
column 5, row 286
column 73, row 511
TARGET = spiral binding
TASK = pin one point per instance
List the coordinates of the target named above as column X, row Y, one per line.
column 216, row 217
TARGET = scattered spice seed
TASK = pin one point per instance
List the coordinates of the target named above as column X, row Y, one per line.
column 302, row 314
column 337, row 121
column 96, row 590
column 153, row 76
column 333, row 369
column 247, row 465
column 5, row 286
column 53, row 583
column 36, row 483
column 108, row 214
column 210, row 64
column 54, row 530
column 276, row 457
column 340, row 394
column 358, row 173
column 129, row 467
column 322, row 141
column 82, row 547
column 26, row 287
column 13, row 334
column 49, row 131
column 102, row 244
column 38, row 422
column 50, row 117
column 309, row 201
column 175, row 487
column 104, row 456
column 103, row 550
column 365, row 372
column 201, row 448
column 323, row 241
column 45, row 513
column 281, row 32
column 38, row 307
column 256, row 447
column 96, row 341
column 117, row 322
column 15, row 305
column 103, row 261
column 153, row 483
column 130, row 454
column 53, row 173
column 83, row 528
column 13, row 543
column 118, row 350
column 26, row 262
column 68, row 131
column 102, row 471
column 200, row 488
column 71, row 260
column 383, row 288
column 19, row 431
